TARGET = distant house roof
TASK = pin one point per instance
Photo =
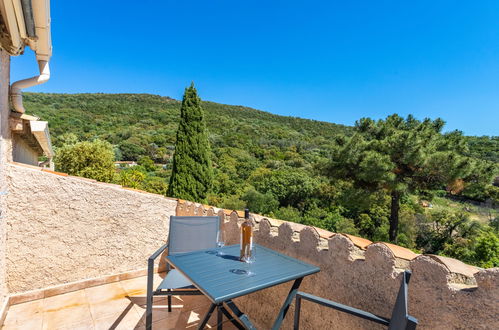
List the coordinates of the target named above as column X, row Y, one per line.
column 125, row 162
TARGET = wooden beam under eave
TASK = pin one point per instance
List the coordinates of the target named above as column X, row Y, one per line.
column 16, row 125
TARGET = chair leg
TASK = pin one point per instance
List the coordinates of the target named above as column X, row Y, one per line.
column 169, row 302
column 149, row 313
column 150, row 295
column 149, row 301
column 296, row 325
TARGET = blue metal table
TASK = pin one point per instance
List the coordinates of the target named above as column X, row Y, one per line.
column 223, row 277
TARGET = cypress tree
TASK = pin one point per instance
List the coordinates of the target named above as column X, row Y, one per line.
column 192, row 174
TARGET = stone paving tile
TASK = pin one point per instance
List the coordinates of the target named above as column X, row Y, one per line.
column 105, row 293
column 30, row 313
column 138, row 286
column 126, row 319
column 13, row 322
column 117, row 305
column 159, row 312
column 184, row 319
column 69, row 318
column 110, row 308
column 66, row 300
column 69, row 310
column 107, row 300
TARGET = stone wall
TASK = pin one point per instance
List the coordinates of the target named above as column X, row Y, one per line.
column 4, row 143
column 63, row 229
column 444, row 293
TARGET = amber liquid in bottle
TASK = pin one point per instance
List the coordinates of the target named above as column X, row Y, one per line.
column 246, row 237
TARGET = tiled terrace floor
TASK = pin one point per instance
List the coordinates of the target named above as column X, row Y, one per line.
column 118, row 305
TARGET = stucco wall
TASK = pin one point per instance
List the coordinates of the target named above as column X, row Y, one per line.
column 64, row 229
column 4, row 142
column 440, row 296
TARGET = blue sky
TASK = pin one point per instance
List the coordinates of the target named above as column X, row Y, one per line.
column 335, row 61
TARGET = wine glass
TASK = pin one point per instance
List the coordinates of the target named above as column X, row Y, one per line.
column 220, row 242
column 249, row 260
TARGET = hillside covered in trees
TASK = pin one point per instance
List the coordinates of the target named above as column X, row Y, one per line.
column 291, row 168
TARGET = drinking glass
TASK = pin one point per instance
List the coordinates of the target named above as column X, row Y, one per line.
column 220, row 242
column 249, row 261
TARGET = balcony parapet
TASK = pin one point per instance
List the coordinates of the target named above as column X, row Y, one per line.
column 444, row 292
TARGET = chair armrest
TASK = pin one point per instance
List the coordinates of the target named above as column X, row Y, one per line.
column 157, row 253
column 343, row 308
column 150, row 260
column 150, row 269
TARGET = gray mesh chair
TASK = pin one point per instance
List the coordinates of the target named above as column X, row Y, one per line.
column 186, row 234
column 400, row 319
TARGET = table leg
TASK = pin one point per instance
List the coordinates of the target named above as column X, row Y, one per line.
column 287, row 302
column 207, row 316
column 219, row 317
column 240, row 315
column 231, row 318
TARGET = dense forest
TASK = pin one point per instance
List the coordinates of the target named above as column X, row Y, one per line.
column 289, row 168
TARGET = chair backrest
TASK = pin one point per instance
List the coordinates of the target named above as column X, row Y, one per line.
column 192, row 233
column 400, row 315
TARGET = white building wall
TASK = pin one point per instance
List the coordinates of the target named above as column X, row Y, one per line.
column 5, row 154
column 23, row 153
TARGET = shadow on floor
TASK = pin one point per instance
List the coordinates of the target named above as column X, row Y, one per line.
column 187, row 312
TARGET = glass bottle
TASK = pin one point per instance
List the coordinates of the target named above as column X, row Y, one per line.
column 246, row 237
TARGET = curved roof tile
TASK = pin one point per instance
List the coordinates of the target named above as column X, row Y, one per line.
column 456, row 266
column 358, row 241
column 228, row 212
column 400, row 252
column 324, row 233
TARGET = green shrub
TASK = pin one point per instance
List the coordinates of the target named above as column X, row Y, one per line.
column 88, row 159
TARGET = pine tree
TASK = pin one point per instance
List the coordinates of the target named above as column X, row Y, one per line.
column 192, row 174
column 400, row 156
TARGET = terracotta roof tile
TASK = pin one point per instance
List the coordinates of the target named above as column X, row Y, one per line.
column 324, row 233
column 275, row 222
column 296, row 226
column 456, row 266
column 140, row 191
column 358, row 241
column 82, row 178
column 109, row 184
column 54, row 172
column 258, row 218
column 240, row 214
column 228, row 212
column 401, row 252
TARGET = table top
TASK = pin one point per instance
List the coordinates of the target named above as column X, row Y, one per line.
column 223, row 277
